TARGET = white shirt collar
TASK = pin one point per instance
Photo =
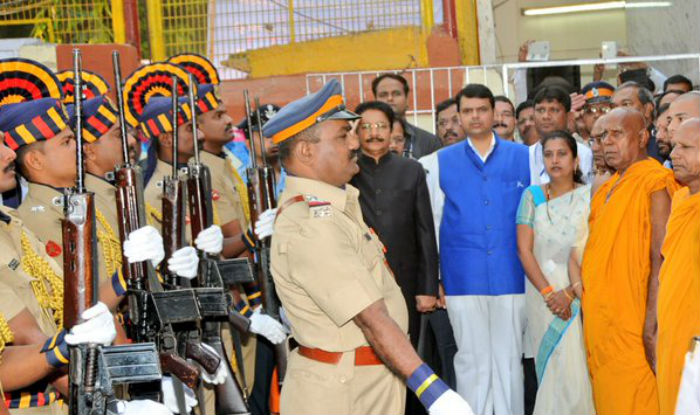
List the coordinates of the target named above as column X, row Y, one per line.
column 488, row 153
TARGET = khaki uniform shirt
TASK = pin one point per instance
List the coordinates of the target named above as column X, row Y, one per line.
column 328, row 267
column 153, row 192
column 226, row 200
column 42, row 211
column 107, row 223
column 29, row 279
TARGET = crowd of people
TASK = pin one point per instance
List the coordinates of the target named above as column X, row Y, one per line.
column 554, row 223
column 534, row 257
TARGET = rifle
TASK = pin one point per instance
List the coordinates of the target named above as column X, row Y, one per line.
column 93, row 369
column 261, row 196
column 174, row 212
column 230, row 398
column 152, row 310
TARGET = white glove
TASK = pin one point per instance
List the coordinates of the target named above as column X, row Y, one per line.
column 268, row 327
column 144, row 244
column 688, row 393
column 450, row 403
column 184, row 262
column 98, row 327
column 140, row 407
column 221, row 373
column 285, row 321
column 210, row 240
column 169, row 399
column 265, row 224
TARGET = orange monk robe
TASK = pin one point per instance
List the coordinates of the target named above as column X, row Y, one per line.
column 616, row 267
column 679, row 295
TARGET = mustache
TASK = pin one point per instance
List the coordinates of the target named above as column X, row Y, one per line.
column 373, row 139
column 499, row 124
column 10, row 167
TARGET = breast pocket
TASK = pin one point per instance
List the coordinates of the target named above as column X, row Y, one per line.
column 371, row 249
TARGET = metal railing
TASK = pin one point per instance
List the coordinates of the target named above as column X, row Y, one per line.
column 60, row 21
column 443, row 83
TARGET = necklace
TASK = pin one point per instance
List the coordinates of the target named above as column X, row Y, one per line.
column 548, row 195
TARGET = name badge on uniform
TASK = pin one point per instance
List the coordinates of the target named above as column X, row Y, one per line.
column 319, row 208
column 13, row 264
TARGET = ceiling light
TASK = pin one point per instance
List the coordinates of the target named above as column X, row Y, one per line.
column 592, row 7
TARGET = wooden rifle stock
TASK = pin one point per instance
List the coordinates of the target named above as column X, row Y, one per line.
column 229, row 397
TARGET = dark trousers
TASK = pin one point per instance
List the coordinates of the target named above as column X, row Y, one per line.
column 530, row 384
column 259, row 400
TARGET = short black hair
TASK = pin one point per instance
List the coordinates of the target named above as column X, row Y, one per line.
column 475, row 91
column 571, row 143
column 523, row 106
column 442, row 106
column 380, row 78
column 678, row 79
column 286, row 146
column 553, row 93
column 657, row 100
column 379, row 106
column 662, row 109
column 503, row 98
column 643, row 94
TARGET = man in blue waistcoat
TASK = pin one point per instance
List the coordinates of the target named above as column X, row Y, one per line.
column 475, row 188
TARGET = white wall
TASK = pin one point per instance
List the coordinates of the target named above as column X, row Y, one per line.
column 571, row 36
column 663, row 31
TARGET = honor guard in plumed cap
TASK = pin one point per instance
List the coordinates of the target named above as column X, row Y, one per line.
column 598, row 91
column 99, row 115
column 205, row 75
column 94, row 85
column 147, row 94
column 30, row 103
column 325, row 104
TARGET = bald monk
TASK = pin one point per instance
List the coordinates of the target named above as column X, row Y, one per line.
column 679, row 280
column 621, row 266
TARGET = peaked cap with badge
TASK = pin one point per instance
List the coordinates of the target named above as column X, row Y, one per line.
column 147, row 95
column 94, row 85
column 297, row 116
column 30, row 103
column 206, row 76
column 267, row 111
column 598, row 91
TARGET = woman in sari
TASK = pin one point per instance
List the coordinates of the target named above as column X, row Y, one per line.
column 552, row 221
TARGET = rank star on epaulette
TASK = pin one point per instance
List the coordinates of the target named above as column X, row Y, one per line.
column 319, row 208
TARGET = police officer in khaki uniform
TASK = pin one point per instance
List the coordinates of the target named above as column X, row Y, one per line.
column 346, row 311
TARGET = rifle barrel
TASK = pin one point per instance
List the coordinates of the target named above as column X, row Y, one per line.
column 77, row 71
column 192, row 98
column 120, row 107
column 174, row 122
column 246, row 99
column 260, row 134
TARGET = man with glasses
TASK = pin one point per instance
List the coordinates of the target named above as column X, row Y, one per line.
column 449, row 130
column 395, row 203
column 598, row 102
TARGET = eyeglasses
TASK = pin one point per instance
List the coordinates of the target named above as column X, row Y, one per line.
column 367, row 126
column 597, row 110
